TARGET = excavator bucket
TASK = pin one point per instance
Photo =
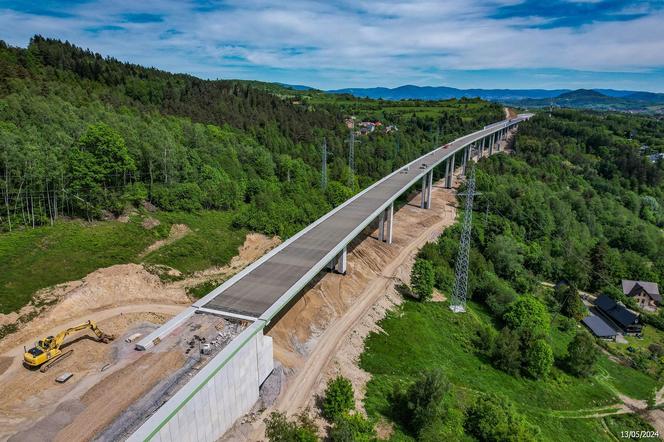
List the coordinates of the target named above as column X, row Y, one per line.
column 106, row 338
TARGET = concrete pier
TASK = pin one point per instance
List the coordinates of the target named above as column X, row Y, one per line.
column 450, row 177
column 429, row 186
column 423, row 203
column 342, row 260
column 390, row 222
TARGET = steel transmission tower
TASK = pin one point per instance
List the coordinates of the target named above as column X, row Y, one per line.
column 459, row 295
column 351, row 158
column 323, row 174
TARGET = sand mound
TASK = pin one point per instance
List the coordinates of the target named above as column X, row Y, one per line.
column 101, row 289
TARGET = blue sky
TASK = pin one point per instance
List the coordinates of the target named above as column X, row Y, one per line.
column 362, row 43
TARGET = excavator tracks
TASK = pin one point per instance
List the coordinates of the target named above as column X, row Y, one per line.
column 44, row 368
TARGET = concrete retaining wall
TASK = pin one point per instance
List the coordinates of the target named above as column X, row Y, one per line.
column 225, row 389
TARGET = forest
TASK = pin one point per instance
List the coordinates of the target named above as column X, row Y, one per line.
column 575, row 206
column 83, row 136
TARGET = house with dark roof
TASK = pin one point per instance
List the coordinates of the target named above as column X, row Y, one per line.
column 599, row 327
column 618, row 316
column 645, row 293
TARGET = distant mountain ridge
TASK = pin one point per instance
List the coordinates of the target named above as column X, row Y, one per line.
column 601, row 99
column 445, row 93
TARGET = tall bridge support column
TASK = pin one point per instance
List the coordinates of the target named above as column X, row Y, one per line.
column 464, row 160
column 429, row 186
column 338, row 263
column 381, row 226
column 423, row 203
column 385, row 221
column 447, row 172
column 342, row 260
column 450, row 177
column 389, row 216
column 492, row 143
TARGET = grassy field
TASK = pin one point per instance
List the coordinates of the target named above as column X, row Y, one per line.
column 32, row 259
column 562, row 405
column 640, row 351
column 621, row 424
column 213, row 241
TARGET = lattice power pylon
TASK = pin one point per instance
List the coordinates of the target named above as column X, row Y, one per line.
column 351, row 158
column 323, row 172
column 459, row 295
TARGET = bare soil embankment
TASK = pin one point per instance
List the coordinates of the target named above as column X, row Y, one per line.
column 322, row 335
column 122, row 299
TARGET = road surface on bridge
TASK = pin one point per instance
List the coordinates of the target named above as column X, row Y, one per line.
column 264, row 288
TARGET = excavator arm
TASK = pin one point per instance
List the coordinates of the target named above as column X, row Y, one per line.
column 49, row 348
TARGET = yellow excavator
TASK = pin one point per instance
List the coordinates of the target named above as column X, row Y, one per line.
column 46, row 353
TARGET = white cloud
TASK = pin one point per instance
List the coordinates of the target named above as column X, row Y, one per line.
column 379, row 41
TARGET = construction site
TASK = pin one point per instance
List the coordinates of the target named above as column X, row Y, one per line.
column 132, row 386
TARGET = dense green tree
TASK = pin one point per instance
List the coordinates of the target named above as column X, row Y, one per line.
column 497, row 292
column 506, row 354
column 424, row 399
column 538, row 359
column 422, row 279
column 279, row 429
column 336, row 193
column 570, row 302
column 493, row 418
column 528, row 315
column 352, row 428
column 582, row 354
column 111, row 162
column 422, row 402
column 338, row 398
column 507, row 256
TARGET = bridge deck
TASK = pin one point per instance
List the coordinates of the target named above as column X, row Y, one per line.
column 260, row 288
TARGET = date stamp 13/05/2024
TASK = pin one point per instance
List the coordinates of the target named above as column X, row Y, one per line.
column 638, row 434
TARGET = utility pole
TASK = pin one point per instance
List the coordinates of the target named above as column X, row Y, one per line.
column 323, row 173
column 459, row 295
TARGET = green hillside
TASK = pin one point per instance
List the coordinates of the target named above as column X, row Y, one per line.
column 85, row 139
column 578, row 202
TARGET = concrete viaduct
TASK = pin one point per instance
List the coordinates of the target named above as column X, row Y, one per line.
column 227, row 387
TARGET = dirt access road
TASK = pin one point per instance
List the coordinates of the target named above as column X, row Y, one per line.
column 323, row 333
column 329, row 345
